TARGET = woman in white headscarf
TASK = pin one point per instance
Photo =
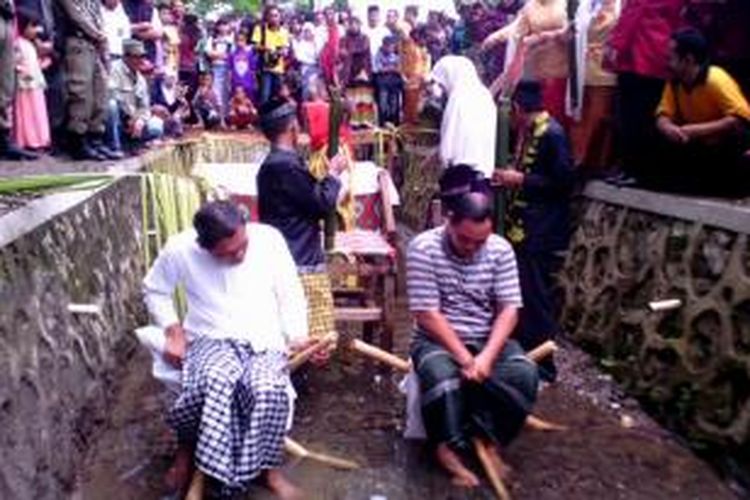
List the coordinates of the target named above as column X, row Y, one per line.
column 469, row 124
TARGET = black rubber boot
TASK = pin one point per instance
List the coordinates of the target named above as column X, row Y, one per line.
column 9, row 150
column 97, row 142
column 80, row 149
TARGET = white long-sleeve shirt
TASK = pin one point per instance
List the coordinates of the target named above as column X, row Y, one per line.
column 116, row 27
column 260, row 300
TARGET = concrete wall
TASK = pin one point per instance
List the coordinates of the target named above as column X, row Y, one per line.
column 56, row 367
column 691, row 365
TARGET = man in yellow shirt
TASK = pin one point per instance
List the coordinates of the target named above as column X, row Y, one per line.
column 271, row 41
column 704, row 120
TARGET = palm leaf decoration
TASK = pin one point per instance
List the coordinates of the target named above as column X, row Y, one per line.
column 42, row 184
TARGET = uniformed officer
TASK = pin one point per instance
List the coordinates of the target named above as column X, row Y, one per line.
column 86, row 79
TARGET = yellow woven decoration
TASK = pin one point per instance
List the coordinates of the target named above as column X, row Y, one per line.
column 319, row 168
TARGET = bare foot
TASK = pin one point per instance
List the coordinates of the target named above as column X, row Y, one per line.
column 503, row 470
column 281, row 486
column 178, row 476
column 450, row 461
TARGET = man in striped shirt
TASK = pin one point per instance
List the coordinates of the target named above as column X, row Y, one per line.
column 464, row 293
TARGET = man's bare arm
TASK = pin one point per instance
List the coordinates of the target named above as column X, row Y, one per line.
column 440, row 330
column 502, row 329
column 712, row 130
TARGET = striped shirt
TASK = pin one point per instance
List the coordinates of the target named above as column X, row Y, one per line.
column 468, row 292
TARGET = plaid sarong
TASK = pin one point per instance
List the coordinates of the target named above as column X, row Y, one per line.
column 455, row 410
column 233, row 407
column 319, row 296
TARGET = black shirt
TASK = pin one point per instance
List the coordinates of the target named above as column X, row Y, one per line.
column 294, row 202
column 547, row 191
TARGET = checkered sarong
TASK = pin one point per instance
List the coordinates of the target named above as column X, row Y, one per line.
column 320, row 316
column 233, row 406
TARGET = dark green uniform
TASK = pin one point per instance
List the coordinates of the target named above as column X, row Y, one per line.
column 85, row 70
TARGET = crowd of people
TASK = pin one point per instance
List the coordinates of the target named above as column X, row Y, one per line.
column 101, row 78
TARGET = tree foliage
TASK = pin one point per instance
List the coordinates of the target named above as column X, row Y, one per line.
column 202, row 7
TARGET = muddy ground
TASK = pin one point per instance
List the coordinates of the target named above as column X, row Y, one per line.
column 611, row 450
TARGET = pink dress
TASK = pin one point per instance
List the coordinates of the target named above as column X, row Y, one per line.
column 30, row 118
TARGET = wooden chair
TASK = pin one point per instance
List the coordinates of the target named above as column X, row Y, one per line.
column 363, row 265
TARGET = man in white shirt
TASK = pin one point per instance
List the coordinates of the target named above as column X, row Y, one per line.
column 116, row 27
column 375, row 31
column 245, row 310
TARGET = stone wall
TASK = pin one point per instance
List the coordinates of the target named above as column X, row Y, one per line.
column 690, row 365
column 55, row 366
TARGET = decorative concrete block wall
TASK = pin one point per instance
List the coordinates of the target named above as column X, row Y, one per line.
column 691, row 365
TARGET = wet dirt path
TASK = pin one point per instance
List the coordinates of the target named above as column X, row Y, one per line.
column 348, row 409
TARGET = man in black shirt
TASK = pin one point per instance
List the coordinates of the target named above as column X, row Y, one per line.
column 537, row 217
column 292, row 200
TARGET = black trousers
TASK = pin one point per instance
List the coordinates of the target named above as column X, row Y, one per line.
column 538, row 319
column 637, row 99
column 389, row 89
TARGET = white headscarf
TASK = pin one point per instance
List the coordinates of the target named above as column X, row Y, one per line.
column 467, row 132
column 305, row 49
column 169, row 92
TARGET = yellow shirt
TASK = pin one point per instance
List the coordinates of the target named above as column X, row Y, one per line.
column 275, row 40
column 717, row 98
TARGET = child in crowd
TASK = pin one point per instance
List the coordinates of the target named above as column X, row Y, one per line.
column 388, row 82
column 206, row 103
column 218, row 49
column 242, row 113
column 243, row 64
column 168, row 101
column 307, row 55
column 30, row 109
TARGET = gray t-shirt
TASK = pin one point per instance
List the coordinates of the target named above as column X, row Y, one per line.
column 468, row 292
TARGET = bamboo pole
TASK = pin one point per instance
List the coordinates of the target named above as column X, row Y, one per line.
column 389, row 220
column 152, row 182
column 295, row 449
column 381, row 355
column 334, row 124
column 572, row 52
column 400, row 364
column 301, row 357
column 502, row 159
column 144, row 222
column 537, row 424
column 542, row 351
column 483, row 453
